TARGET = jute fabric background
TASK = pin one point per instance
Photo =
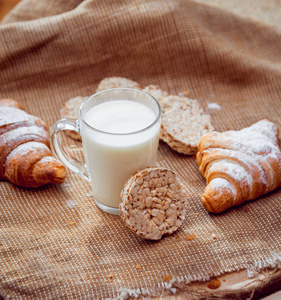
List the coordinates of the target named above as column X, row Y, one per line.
column 55, row 243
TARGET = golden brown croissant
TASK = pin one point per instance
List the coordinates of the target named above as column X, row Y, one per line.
column 239, row 165
column 10, row 102
column 25, row 155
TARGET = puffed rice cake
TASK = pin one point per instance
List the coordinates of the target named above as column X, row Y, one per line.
column 156, row 92
column 70, row 110
column 153, row 203
column 117, row 82
column 183, row 124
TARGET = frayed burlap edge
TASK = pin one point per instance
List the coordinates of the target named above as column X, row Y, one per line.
column 269, row 268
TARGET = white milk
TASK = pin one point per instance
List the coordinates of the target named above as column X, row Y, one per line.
column 112, row 158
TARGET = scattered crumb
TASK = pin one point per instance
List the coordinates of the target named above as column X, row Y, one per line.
column 167, row 278
column 138, row 266
column 71, row 222
column 213, row 106
column 214, row 284
column 214, row 236
column 110, row 276
column 196, row 214
column 190, row 237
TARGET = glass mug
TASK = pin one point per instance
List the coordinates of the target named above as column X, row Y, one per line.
column 120, row 135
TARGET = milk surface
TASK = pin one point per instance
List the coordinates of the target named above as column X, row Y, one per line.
column 118, row 147
column 120, row 116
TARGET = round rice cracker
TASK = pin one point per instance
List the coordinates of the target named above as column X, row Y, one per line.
column 183, row 124
column 70, row 110
column 153, row 203
column 156, row 92
column 122, row 82
column 117, row 82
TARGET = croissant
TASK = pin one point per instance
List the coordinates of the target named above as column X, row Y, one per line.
column 25, row 155
column 239, row 165
column 10, row 103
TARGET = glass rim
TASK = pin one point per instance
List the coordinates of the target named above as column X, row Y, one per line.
column 127, row 133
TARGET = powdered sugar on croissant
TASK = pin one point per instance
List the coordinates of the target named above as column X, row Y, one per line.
column 239, row 165
column 25, row 155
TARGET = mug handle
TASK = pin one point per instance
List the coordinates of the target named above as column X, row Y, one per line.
column 70, row 162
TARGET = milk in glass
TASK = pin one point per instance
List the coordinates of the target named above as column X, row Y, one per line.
column 119, row 146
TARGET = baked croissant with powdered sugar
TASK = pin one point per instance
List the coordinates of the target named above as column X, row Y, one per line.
column 239, row 165
column 25, row 155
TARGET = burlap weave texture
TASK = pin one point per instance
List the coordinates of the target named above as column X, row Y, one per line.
column 54, row 242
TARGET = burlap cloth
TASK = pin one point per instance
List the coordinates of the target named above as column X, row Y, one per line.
column 55, row 243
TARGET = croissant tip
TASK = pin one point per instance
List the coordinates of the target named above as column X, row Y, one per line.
column 49, row 170
column 57, row 175
column 207, row 204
